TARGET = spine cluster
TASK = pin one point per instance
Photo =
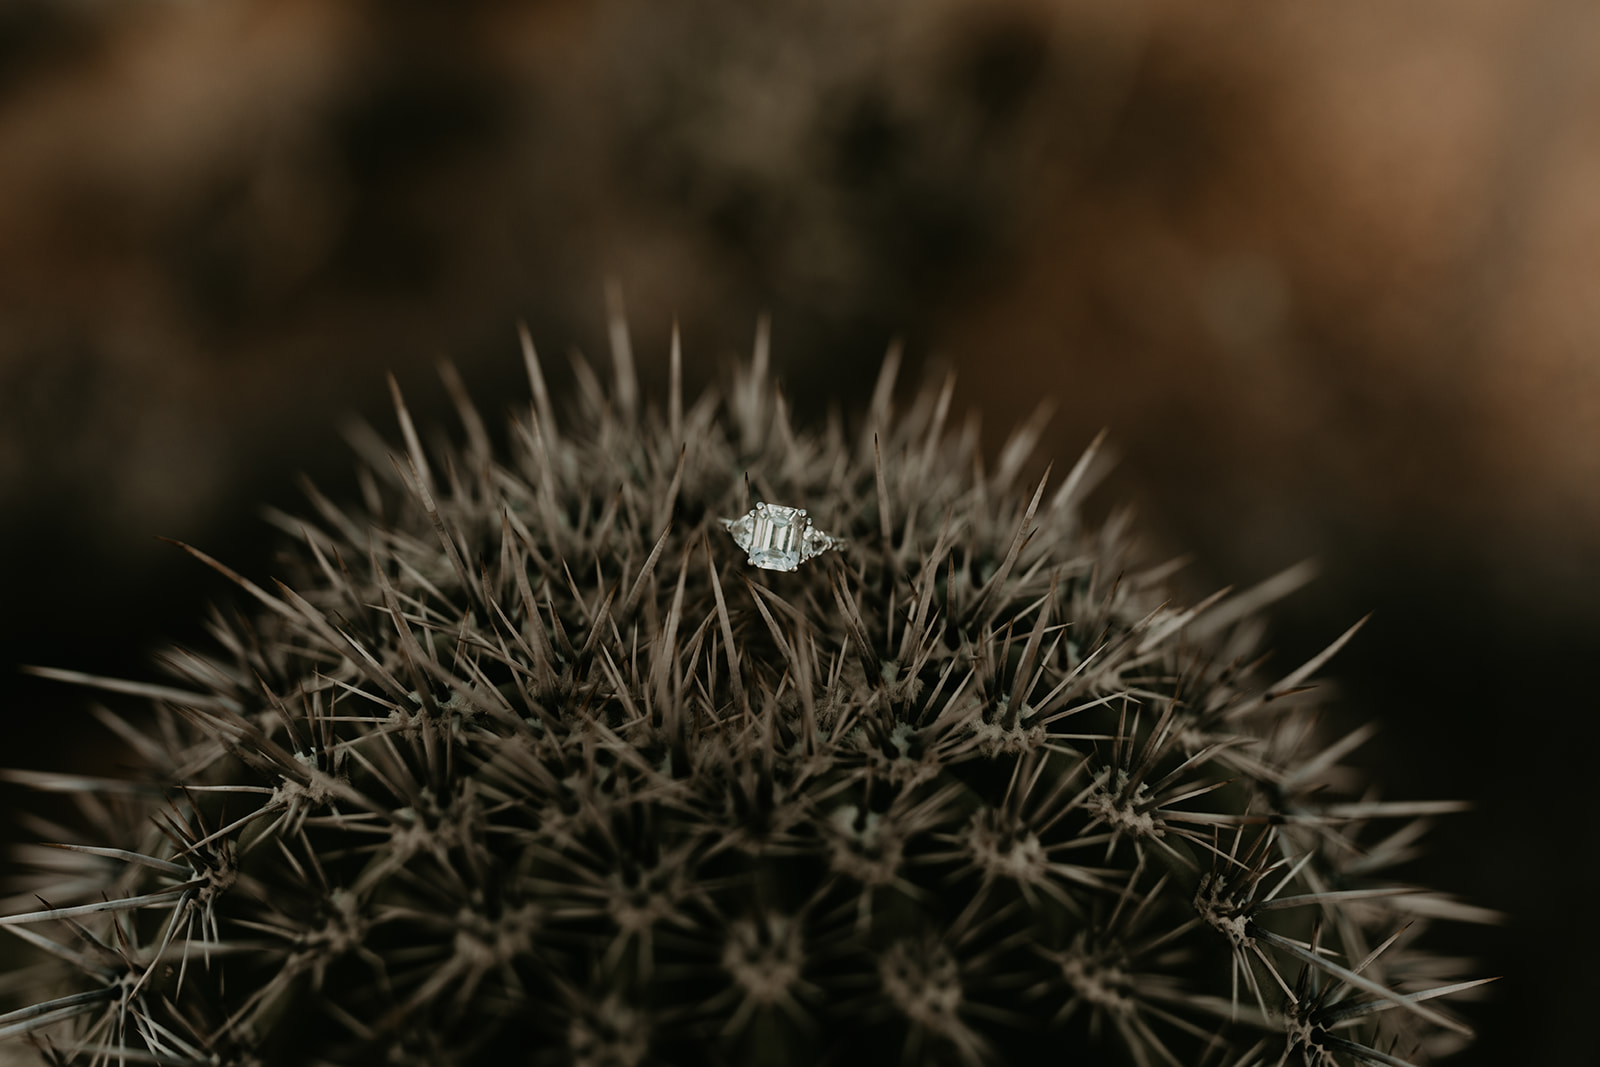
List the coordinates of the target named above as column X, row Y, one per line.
column 523, row 763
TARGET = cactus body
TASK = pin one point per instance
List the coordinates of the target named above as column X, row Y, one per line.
column 523, row 763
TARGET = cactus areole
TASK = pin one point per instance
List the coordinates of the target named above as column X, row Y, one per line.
column 525, row 761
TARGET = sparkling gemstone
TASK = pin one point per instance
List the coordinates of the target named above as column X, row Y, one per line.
column 776, row 537
column 740, row 528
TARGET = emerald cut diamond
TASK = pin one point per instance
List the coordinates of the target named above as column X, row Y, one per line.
column 775, row 537
column 778, row 538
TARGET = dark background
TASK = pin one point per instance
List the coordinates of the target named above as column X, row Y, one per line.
column 1327, row 272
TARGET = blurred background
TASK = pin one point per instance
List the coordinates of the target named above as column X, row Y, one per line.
column 1330, row 274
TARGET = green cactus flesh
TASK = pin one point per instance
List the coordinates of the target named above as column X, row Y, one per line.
column 523, row 763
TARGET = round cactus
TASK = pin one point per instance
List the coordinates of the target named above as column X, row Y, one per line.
column 524, row 763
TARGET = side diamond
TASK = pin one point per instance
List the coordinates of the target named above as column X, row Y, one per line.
column 740, row 529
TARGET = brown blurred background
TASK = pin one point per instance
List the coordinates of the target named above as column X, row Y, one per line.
column 1329, row 273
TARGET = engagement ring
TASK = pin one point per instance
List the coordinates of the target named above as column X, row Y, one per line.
column 779, row 538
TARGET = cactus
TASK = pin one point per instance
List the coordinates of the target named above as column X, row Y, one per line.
column 524, row 764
